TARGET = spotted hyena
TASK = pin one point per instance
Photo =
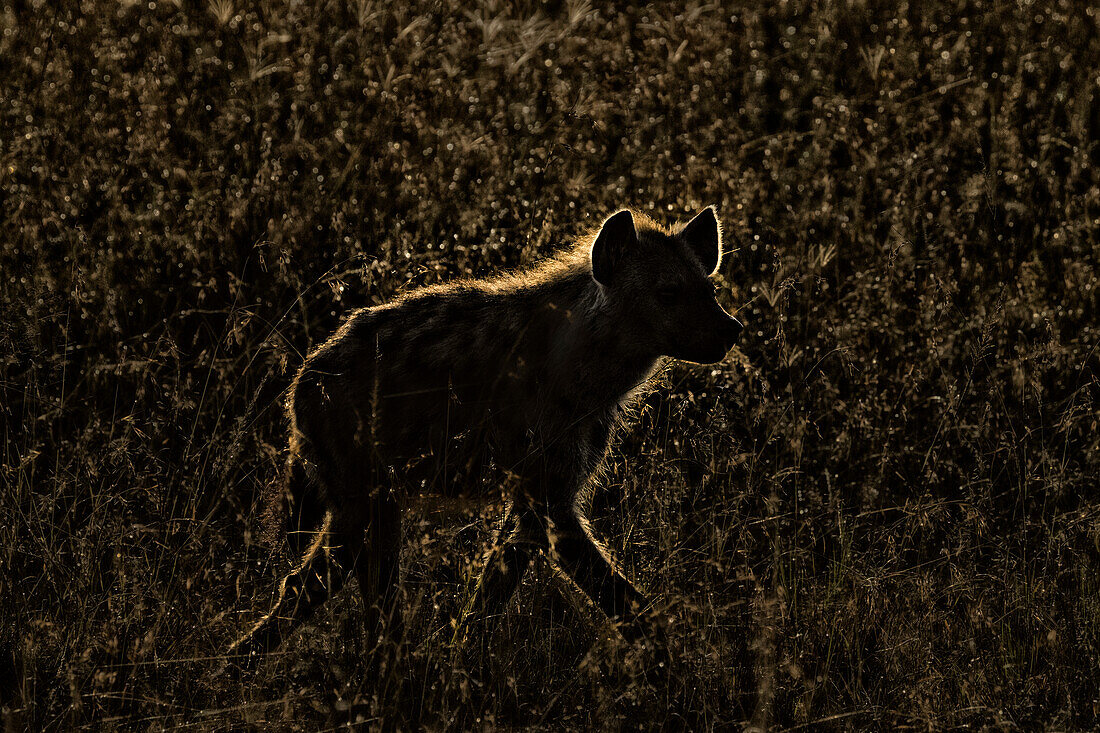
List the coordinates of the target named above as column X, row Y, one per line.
column 527, row 373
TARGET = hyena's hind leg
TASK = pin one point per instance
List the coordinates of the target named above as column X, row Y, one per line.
column 328, row 553
column 305, row 506
column 332, row 554
column 378, row 572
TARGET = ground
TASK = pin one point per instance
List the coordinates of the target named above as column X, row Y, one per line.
column 882, row 512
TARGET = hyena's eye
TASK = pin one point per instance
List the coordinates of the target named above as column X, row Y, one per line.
column 667, row 294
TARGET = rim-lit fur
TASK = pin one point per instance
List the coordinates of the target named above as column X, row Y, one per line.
column 510, row 384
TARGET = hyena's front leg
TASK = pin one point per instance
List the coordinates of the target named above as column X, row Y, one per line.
column 578, row 554
column 523, row 535
column 564, row 473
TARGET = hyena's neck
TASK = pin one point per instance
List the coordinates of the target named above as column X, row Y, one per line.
column 614, row 372
column 602, row 359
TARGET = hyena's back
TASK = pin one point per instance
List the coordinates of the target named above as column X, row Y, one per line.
column 420, row 387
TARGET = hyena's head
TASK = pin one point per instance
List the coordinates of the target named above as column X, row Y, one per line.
column 659, row 280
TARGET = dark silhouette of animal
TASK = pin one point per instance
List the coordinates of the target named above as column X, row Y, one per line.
column 529, row 372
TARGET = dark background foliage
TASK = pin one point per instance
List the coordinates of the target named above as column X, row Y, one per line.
column 882, row 513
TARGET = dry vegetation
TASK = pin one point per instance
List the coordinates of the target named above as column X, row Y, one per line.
column 885, row 515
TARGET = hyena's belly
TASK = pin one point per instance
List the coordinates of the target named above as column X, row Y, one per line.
column 437, row 438
column 425, row 423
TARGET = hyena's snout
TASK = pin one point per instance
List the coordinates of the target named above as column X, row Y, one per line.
column 725, row 331
column 718, row 332
column 730, row 331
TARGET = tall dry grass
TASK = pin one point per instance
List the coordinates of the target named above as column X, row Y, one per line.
column 884, row 516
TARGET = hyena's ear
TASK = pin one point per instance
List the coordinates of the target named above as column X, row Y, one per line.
column 617, row 235
column 703, row 235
